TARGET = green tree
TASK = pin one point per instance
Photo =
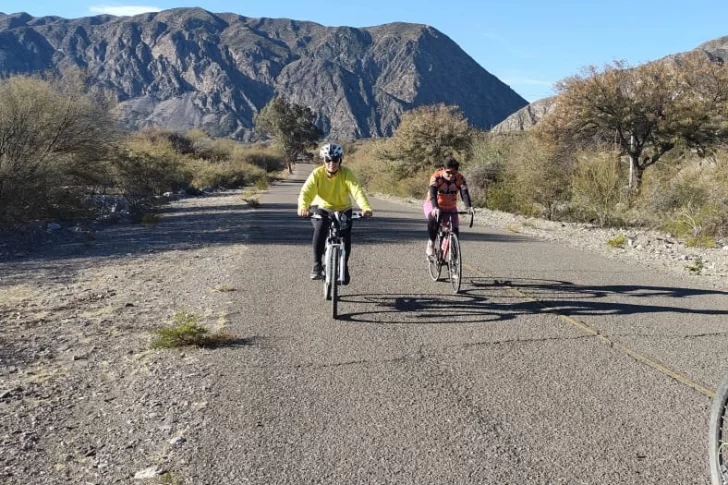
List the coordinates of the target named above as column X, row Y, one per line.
column 645, row 111
column 425, row 136
column 290, row 125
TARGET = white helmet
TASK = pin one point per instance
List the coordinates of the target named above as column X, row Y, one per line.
column 331, row 151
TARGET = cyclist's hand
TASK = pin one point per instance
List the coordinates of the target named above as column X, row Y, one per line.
column 303, row 212
column 435, row 213
column 471, row 211
column 366, row 213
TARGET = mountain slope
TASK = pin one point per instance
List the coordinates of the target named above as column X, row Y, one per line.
column 187, row 67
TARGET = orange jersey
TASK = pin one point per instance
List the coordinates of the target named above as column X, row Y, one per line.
column 447, row 191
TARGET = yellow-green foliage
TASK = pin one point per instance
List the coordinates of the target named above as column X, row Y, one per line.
column 617, row 241
column 54, row 136
column 185, row 331
column 149, row 165
column 425, row 136
column 598, row 186
column 692, row 200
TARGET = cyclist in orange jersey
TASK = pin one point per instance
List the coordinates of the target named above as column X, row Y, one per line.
column 442, row 197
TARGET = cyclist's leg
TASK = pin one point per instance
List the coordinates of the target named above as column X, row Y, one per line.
column 432, row 226
column 346, row 234
column 320, row 230
column 455, row 218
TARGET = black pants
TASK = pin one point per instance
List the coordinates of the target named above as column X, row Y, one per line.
column 321, row 231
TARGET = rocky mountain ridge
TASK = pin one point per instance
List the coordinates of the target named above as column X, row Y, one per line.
column 526, row 117
column 190, row 68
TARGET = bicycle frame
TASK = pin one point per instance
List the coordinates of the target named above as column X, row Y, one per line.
column 335, row 239
column 335, row 256
column 447, row 252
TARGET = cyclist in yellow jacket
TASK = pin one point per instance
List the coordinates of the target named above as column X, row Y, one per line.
column 330, row 188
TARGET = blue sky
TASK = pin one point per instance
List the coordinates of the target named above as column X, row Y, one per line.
column 528, row 44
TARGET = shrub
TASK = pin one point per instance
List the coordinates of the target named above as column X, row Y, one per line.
column 186, row 331
column 617, row 241
column 54, row 133
column 598, row 187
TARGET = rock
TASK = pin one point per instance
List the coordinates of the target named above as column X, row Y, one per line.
column 177, row 441
column 148, row 473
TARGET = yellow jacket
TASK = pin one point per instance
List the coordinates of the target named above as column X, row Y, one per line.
column 332, row 193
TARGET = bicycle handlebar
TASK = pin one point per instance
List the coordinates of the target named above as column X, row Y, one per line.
column 472, row 216
column 354, row 215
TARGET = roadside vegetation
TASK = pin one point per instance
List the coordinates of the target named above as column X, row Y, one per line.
column 622, row 146
column 60, row 146
column 186, row 331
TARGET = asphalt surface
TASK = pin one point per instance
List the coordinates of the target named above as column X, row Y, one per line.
column 552, row 366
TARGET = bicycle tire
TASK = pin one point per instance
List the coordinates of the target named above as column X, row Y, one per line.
column 718, row 435
column 328, row 278
column 334, row 281
column 434, row 265
column 454, row 263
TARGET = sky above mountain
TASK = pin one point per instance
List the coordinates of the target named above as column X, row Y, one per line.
column 528, row 44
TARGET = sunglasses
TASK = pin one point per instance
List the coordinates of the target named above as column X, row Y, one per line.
column 332, row 161
column 451, row 172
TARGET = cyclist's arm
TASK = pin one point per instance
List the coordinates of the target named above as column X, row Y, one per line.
column 433, row 196
column 464, row 194
column 358, row 192
column 308, row 192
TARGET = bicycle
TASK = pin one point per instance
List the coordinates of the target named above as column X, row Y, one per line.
column 718, row 435
column 447, row 252
column 335, row 256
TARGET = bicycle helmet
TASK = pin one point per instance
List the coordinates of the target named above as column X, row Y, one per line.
column 331, row 151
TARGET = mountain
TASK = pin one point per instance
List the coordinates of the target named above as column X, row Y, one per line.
column 187, row 67
column 526, row 117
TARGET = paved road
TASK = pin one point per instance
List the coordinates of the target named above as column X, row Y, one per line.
column 553, row 366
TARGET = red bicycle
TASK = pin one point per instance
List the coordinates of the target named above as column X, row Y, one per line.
column 447, row 252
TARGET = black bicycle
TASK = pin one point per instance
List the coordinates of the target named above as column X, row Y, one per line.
column 447, row 252
column 718, row 435
column 335, row 256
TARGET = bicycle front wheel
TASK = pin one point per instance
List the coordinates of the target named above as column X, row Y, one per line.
column 454, row 263
column 718, row 435
column 433, row 262
column 335, row 268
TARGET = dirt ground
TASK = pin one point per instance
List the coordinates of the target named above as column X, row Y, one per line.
column 83, row 399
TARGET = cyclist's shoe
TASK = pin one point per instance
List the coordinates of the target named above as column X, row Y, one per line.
column 430, row 250
column 347, row 277
column 317, row 273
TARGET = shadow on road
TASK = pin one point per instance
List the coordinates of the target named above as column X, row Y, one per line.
column 485, row 301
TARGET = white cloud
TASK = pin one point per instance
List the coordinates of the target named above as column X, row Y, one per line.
column 122, row 10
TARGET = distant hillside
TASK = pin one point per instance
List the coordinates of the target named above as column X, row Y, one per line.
column 185, row 68
column 528, row 116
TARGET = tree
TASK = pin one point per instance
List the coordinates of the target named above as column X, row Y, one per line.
column 291, row 125
column 426, row 135
column 54, row 137
column 646, row 111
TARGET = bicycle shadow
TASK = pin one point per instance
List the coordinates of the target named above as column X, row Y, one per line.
column 486, row 300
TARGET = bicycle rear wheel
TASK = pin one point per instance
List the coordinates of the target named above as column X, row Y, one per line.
column 434, row 264
column 335, row 250
column 718, row 435
column 454, row 263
